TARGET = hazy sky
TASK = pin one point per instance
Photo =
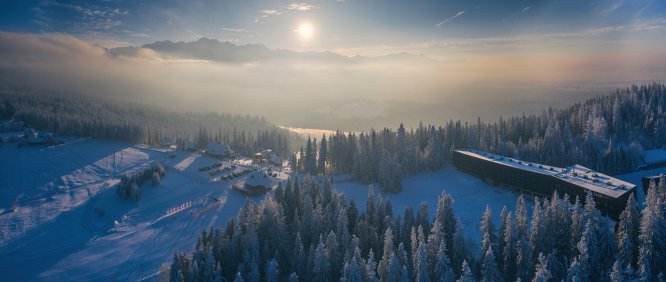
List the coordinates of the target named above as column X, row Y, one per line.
column 325, row 64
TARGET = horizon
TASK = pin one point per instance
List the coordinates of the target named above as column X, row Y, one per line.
column 347, row 65
column 333, row 140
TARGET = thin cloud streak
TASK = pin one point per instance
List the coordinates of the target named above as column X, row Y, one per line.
column 517, row 14
column 450, row 18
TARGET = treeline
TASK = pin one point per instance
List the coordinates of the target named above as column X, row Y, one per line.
column 130, row 183
column 607, row 134
column 306, row 232
column 77, row 115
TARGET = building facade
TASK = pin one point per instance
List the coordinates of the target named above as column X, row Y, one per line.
column 610, row 194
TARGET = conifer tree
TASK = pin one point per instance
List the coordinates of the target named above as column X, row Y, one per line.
column 542, row 274
column 467, row 275
column 489, row 270
column 421, row 264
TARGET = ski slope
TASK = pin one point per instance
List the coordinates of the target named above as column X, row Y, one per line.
column 71, row 226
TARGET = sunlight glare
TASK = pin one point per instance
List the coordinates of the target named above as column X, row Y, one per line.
column 305, row 31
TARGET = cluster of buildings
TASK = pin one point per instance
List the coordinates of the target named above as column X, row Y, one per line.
column 16, row 132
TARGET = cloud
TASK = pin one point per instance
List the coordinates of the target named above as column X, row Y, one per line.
column 263, row 14
column 329, row 90
column 86, row 19
column 450, row 18
column 271, row 12
column 231, row 29
column 133, row 33
column 527, row 8
column 211, row 75
column 301, row 7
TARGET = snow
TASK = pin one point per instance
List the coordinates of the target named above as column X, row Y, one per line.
column 654, row 156
column 635, row 177
column 185, row 163
column 470, row 196
column 259, row 179
column 217, row 149
column 71, row 225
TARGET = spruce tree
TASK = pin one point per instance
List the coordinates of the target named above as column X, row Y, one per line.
column 542, row 274
column 467, row 275
column 421, row 264
column 272, row 271
column 489, row 269
column 627, row 233
column 322, row 268
column 443, row 270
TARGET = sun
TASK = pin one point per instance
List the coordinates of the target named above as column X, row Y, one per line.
column 305, row 31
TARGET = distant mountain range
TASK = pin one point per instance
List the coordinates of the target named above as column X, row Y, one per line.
column 227, row 52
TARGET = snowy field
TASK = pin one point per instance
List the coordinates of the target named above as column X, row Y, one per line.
column 470, row 196
column 635, row 178
column 70, row 224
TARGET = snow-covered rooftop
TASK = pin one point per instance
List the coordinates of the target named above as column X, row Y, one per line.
column 217, row 149
column 259, row 179
column 575, row 174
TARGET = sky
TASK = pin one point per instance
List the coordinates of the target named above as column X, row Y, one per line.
column 349, row 64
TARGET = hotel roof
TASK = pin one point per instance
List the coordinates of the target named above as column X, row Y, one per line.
column 575, row 174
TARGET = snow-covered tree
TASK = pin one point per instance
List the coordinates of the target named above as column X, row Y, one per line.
column 272, row 271
column 322, row 267
column 323, row 155
column 421, row 264
column 467, row 275
column 435, row 151
column 542, row 274
column 488, row 227
column 489, row 269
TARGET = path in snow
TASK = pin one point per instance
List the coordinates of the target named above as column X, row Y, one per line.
column 184, row 164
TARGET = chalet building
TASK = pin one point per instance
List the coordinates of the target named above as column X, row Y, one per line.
column 610, row 194
column 166, row 142
column 218, row 150
column 255, row 184
column 267, row 156
column 647, row 180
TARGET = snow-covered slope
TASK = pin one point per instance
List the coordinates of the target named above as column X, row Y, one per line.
column 470, row 196
column 70, row 224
